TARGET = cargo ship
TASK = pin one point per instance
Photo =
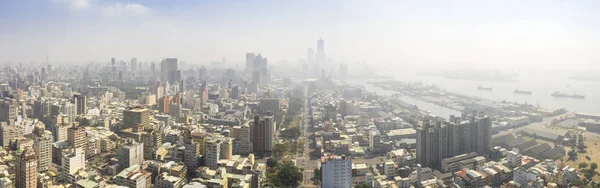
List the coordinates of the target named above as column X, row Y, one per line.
column 559, row 94
column 517, row 91
column 484, row 88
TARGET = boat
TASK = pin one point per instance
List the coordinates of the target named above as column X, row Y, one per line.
column 559, row 94
column 484, row 88
column 517, row 91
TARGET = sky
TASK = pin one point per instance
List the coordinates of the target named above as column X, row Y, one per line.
column 432, row 33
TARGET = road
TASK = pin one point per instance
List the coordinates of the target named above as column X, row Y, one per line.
column 547, row 121
column 307, row 174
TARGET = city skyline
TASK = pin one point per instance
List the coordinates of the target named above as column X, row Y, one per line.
column 461, row 33
column 333, row 94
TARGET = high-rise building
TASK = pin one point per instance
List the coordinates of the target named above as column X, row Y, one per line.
column 168, row 68
column 42, row 146
column 8, row 110
column 152, row 140
column 130, row 153
column 69, row 110
column 159, row 91
column 80, row 104
column 60, row 130
column 250, row 62
column 343, row 72
column 243, row 141
column 135, row 116
column 41, row 109
column 9, row 132
column 336, row 172
column 432, row 144
column 153, row 68
column 271, row 104
column 310, row 55
column 438, row 139
column 134, row 65
column 213, row 152
column 72, row 160
column 164, row 104
column 26, row 168
column 202, row 73
column 235, row 92
column 76, row 136
column 320, row 57
column 263, row 131
column 257, row 78
column 374, row 140
column 193, row 150
column 470, row 134
column 226, row 148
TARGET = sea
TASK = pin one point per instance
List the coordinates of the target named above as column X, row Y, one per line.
column 542, row 85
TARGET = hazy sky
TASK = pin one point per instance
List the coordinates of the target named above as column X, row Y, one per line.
column 519, row 33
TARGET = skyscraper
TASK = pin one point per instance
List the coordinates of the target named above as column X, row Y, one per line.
column 168, row 70
column 80, row 104
column 320, row 57
column 134, row 65
column 263, row 131
column 26, row 168
column 438, row 139
column 250, row 62
column 259, row 63
column 310, row 55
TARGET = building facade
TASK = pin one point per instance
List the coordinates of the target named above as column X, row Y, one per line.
column 438, row 139
column 336, row 172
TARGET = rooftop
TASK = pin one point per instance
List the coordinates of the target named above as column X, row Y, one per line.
column 402, row 132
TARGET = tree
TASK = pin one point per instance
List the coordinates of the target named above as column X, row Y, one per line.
column 272, row 162
column 578, row 183
column 583, row 165
column 317, row 175
column 279, row 150
column 588, row 174
column 572, row 155
column 362, row 185
column 594, row 166
column 289, row 175
column 291, row 133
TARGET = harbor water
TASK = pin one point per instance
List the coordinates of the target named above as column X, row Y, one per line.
column 542, row 86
